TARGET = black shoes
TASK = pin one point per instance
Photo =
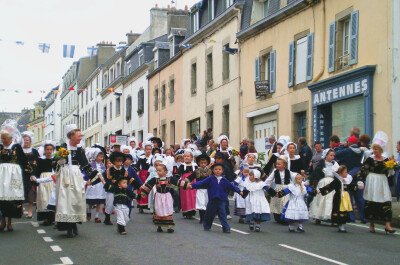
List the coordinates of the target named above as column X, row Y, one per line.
column 251, row 226
column 69, row 233
column 258, row 229
column 170, row 230
column 107, row 220
column 75, row 229
column 300, row 229
column 389, row 231
column 159, row 230
column 121, row 229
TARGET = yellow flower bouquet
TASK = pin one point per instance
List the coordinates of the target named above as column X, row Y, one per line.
column 391, row 164
column 62, row 153
column 235, row 152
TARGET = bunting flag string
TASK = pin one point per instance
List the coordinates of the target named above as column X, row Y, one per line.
column 68, row 51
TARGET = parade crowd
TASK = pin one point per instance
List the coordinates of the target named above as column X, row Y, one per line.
column 71, row 184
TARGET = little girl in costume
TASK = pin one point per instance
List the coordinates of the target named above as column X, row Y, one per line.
column 163, row 203
column 341, row 200
column 257, row 207
column 296, row 209
column 240, row 202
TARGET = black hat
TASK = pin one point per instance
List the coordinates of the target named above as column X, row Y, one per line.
column 115, row 155
column 155, row 149
column 129, row 156
column 219, row 155
column 122, row 178
column 202, row 157
column 217, row 164
column 157, row 140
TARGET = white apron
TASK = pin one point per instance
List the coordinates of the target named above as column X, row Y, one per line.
column 321, row 206
column 11, row 182
column 43, row 193
column 71, row 199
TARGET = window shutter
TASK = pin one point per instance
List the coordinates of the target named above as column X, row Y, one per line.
column 209, row 10
column 354, row 38
column 257, row 68
column 310, row 52
column 272, row 71
column 331, row 51
column 291, row 63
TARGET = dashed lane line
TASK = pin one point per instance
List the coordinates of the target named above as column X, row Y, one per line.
column 41, row 231
column 47, row 239
column 232, row 229
column 312, row 254
column 66, row 260
column 55, row 248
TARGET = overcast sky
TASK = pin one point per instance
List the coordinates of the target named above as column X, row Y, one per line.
column 79, row 22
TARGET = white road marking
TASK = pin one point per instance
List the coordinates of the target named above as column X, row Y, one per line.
column 55, row 248
column 232, row 229
column 312, row 254
column 47, row 239
column 66, row 260
column 367, row 226
column 25, row 212
column 35, row 224
column 41, row 231
column 28, row 222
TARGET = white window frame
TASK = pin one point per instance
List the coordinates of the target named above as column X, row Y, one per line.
column 346, row 24
column 301, row 61
column 196, row 20
column 141, row 58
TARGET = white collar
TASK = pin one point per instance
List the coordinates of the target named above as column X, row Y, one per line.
column 8, row 146
column 27, row 150
column 117, row 168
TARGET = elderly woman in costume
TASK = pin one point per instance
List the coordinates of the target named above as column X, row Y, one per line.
column 71, row 199
column 374, row 178
column 32, row 155
column 13, row 167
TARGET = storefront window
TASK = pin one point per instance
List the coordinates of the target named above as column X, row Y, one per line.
column 347, row 114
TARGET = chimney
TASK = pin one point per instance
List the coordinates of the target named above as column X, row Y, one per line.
column 186, row 8
column 132, row 37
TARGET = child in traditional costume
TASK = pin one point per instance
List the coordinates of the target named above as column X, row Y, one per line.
column 217, row 188
column 201, row 173
column 240, row 202
column 163, row 203
column 95, row 194
column 142, row 166
column 122, row 200
column 281, row 177
column 321, row 206
column 113, row 174
column 341, row 200
column 257, row 207
column 188, row 197
column 295, row 209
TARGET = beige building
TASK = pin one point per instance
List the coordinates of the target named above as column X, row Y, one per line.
column 211, row 70
column 321, row 66
column 165, row 117
column 37, row 124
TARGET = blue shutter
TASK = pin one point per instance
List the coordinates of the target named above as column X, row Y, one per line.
column 272, row 71
column 291, row 63
column 257, row 68
column 331, row 51
column 310, row 52
column 354, row 38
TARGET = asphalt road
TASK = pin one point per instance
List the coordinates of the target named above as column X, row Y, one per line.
column 100, row 244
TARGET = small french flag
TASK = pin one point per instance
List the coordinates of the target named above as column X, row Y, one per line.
column 68, row 51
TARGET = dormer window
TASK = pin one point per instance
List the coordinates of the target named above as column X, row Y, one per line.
column 194, row 19
column 141, row 58
column 211, row 10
